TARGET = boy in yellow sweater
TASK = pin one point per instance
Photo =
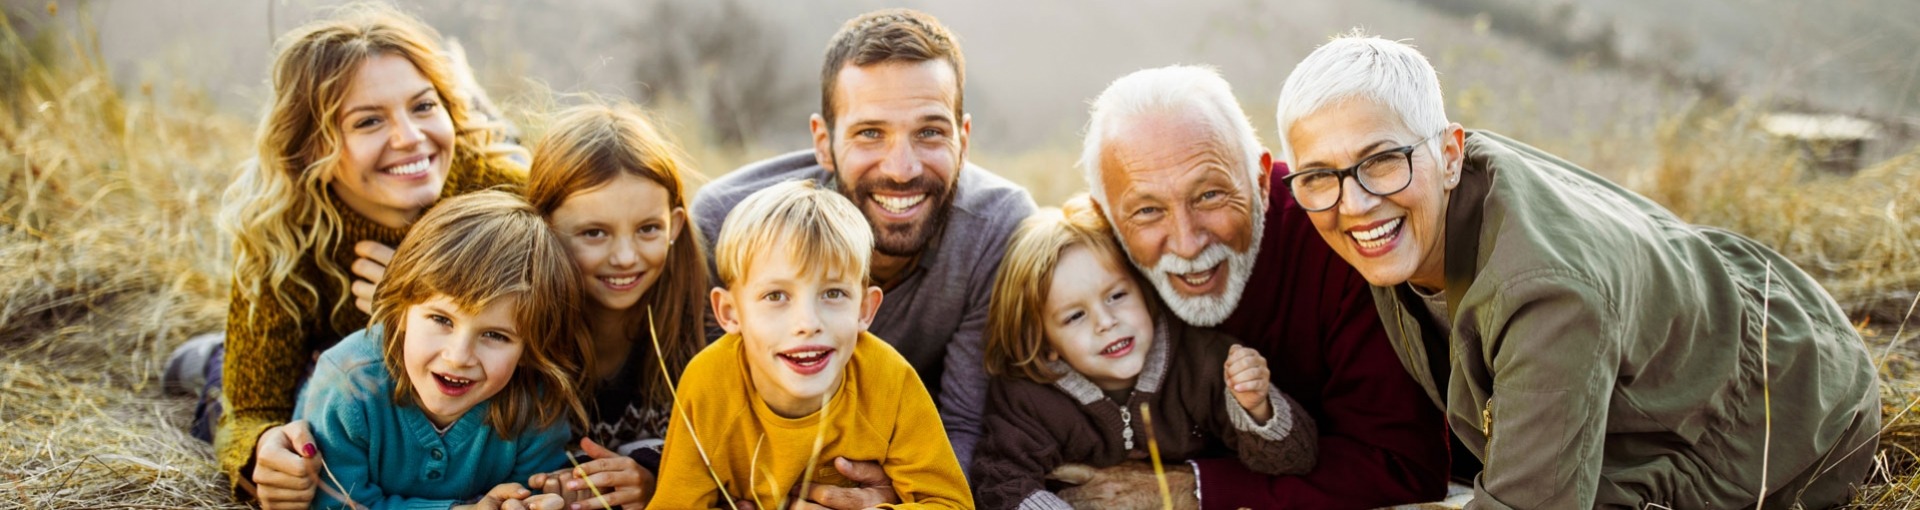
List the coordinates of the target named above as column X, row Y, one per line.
column 797, row 381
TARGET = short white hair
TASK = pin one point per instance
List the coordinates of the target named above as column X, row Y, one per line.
column 1356, row 65
column 1179, row 89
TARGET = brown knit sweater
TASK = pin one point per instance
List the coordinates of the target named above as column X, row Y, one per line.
column 268, row 353
column 1033, row 428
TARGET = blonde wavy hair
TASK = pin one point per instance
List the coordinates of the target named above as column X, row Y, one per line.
column 477, row 248
column 278, row 210
column 1016, row 343
column 591, row 144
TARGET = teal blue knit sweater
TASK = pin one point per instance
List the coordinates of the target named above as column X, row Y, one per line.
column 389, row 456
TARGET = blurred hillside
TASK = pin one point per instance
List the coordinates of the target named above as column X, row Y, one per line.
column 749, row 68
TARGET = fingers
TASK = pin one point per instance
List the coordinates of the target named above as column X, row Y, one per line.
column 1073, row 474
column 545, row 502
column 843, row 497
column 274, row 498
column 363, row 296
column 596, row 451
column 1246, row 370
column 862, row 473
column 508, row 491
column 374, row 251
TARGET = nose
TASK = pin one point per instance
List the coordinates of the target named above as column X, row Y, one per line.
column 626, row 252
column 899, row 164
column 1188, row 239
column 405, row 133
column 806, row 319
column 459, row 350
column 1104, row 319
column 1355, row 200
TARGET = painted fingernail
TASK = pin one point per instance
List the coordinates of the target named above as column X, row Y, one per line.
column 309, row 450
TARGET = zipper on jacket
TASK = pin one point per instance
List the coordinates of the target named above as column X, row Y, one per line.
column 1486, row 425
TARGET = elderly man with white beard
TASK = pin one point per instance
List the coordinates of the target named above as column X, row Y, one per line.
column 1175, row 165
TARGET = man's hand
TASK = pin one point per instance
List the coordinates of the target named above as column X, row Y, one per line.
column 1129, row 485
column 1247, row 377
column 622, row 482
column 368, row 271
column 281, row 473
column 872, row 488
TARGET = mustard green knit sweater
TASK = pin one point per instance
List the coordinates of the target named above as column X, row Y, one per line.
column 268, row 351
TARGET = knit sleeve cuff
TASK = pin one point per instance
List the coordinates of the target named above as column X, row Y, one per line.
column 1277, row 427
column 234, row 441
column 1043, row 500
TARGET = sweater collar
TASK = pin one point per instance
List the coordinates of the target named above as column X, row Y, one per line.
column 1084, row 391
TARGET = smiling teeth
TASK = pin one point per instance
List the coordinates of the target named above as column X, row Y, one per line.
column 411, row 168
column 456, row 381
column 899, row 204
column 1375, row 237
column 622, row 280
column 1117, row 346
column 1198, row 278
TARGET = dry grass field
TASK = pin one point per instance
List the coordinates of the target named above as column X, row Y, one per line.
column 109, row 258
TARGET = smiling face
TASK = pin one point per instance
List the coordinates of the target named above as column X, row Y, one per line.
column 619, row 234
column 896, row 146
column 1096, row 318
column 396, row 142
column 797, row 325
column 1190, row 219
column 457, row 358
column 1393, row 239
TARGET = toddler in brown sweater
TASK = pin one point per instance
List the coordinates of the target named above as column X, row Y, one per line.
column 1077, row 347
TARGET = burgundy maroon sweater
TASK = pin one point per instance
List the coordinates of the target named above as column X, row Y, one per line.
column 1311, row 314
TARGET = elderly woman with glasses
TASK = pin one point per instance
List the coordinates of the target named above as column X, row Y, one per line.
column 1589, row 347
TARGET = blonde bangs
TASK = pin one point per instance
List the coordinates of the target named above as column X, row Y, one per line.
column 817, row 229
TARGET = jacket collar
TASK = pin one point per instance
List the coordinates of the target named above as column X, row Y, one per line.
column 1466, row 209
column 1085, row 392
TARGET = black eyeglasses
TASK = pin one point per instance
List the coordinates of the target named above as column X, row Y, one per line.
column 1382, row 174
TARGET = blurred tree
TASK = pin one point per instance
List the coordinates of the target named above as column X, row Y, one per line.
column 721, row 59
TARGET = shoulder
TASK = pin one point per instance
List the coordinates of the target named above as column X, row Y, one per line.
column 876, row 362
column 355, row 354
column 718, row 196
column 713, row 373
column 991, row 199
column 353, row 370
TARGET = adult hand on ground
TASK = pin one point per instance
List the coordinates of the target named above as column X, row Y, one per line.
column 283, row 466
column 513, row 496
column 871, row 488
column 1128, row 485
column 368, row 271
column 622, row 482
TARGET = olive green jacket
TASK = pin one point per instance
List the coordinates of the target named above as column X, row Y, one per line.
column 1605, row 353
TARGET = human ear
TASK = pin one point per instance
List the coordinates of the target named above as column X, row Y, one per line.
column 1453, row 152
column 822, row 141
column 678, row 222
column 1266, row 180
column 724, row 310
column 869, row 306
column 966, row 133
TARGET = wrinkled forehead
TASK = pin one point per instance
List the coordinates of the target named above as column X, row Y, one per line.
column 1167, row 151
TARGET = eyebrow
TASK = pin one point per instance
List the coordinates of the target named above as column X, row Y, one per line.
column 1361, row 154
column 416, row 95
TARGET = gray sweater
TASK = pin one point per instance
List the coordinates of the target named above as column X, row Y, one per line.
column 937, row 315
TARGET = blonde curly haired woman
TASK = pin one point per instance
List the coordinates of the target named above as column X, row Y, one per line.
column 365, row 131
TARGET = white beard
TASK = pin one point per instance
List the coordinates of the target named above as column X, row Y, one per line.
column 1209, row 310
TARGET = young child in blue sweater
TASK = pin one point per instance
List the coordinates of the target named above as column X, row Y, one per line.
column 466, row 382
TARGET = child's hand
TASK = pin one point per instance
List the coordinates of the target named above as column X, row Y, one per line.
column 1247, row 378
column 620, row 480
column 513, row 496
